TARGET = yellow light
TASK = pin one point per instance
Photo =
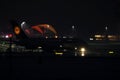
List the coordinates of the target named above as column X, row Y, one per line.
column 82, row 49
column 17, row 30
column 58, row 53
column 111, row 52
column 82, row 53
column 48, row 26
column 97, row 35
column 56, row 36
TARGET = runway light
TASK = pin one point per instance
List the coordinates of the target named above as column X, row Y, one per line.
column 39, row 47
column 61, row 46
column 46, row 37
column 83, row 54
column 111, row 52
column 58, row 53
column 56, row 36
column 91, row 39
column 97, row 35
column 82, row 49
column 64, row 37
column 65, row 50
column 75, row 48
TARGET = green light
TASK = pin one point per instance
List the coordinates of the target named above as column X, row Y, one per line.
column 3, row 43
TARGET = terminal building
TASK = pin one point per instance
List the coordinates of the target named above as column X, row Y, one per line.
column 102, row 37
column 106, row 35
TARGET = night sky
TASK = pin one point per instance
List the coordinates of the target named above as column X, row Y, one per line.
column 87, row 16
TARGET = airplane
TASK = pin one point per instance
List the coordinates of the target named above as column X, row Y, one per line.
column 32, row 36
column 42, row 35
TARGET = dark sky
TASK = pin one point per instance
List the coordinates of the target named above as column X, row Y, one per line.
column 87, row 16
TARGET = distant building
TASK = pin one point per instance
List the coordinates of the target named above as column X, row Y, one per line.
column 106, row 35
column 102, row 37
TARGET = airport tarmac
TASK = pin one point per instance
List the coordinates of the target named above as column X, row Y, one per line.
column 59, row 67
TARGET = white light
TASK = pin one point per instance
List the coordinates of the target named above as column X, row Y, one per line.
column 75, row 54
column 39, row 47
column 46, row 37
column 65, row 50
column 106, row 28
column 3, row 36
column 13, row 46
column 64, row 37
column 75, row 48
column 48, row 26
column 56, row 36
column 83, row 54
column 23, row 23
column 73, row 27
column 61, row 46
column 6, row 36
column 91, row 39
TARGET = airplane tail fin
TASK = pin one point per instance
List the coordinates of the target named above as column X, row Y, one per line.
column 17, row 30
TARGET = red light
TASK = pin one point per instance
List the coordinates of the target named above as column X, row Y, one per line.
column 10, row 35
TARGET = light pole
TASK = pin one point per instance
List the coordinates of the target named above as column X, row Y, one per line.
column 73, row 31
column 106, row 33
